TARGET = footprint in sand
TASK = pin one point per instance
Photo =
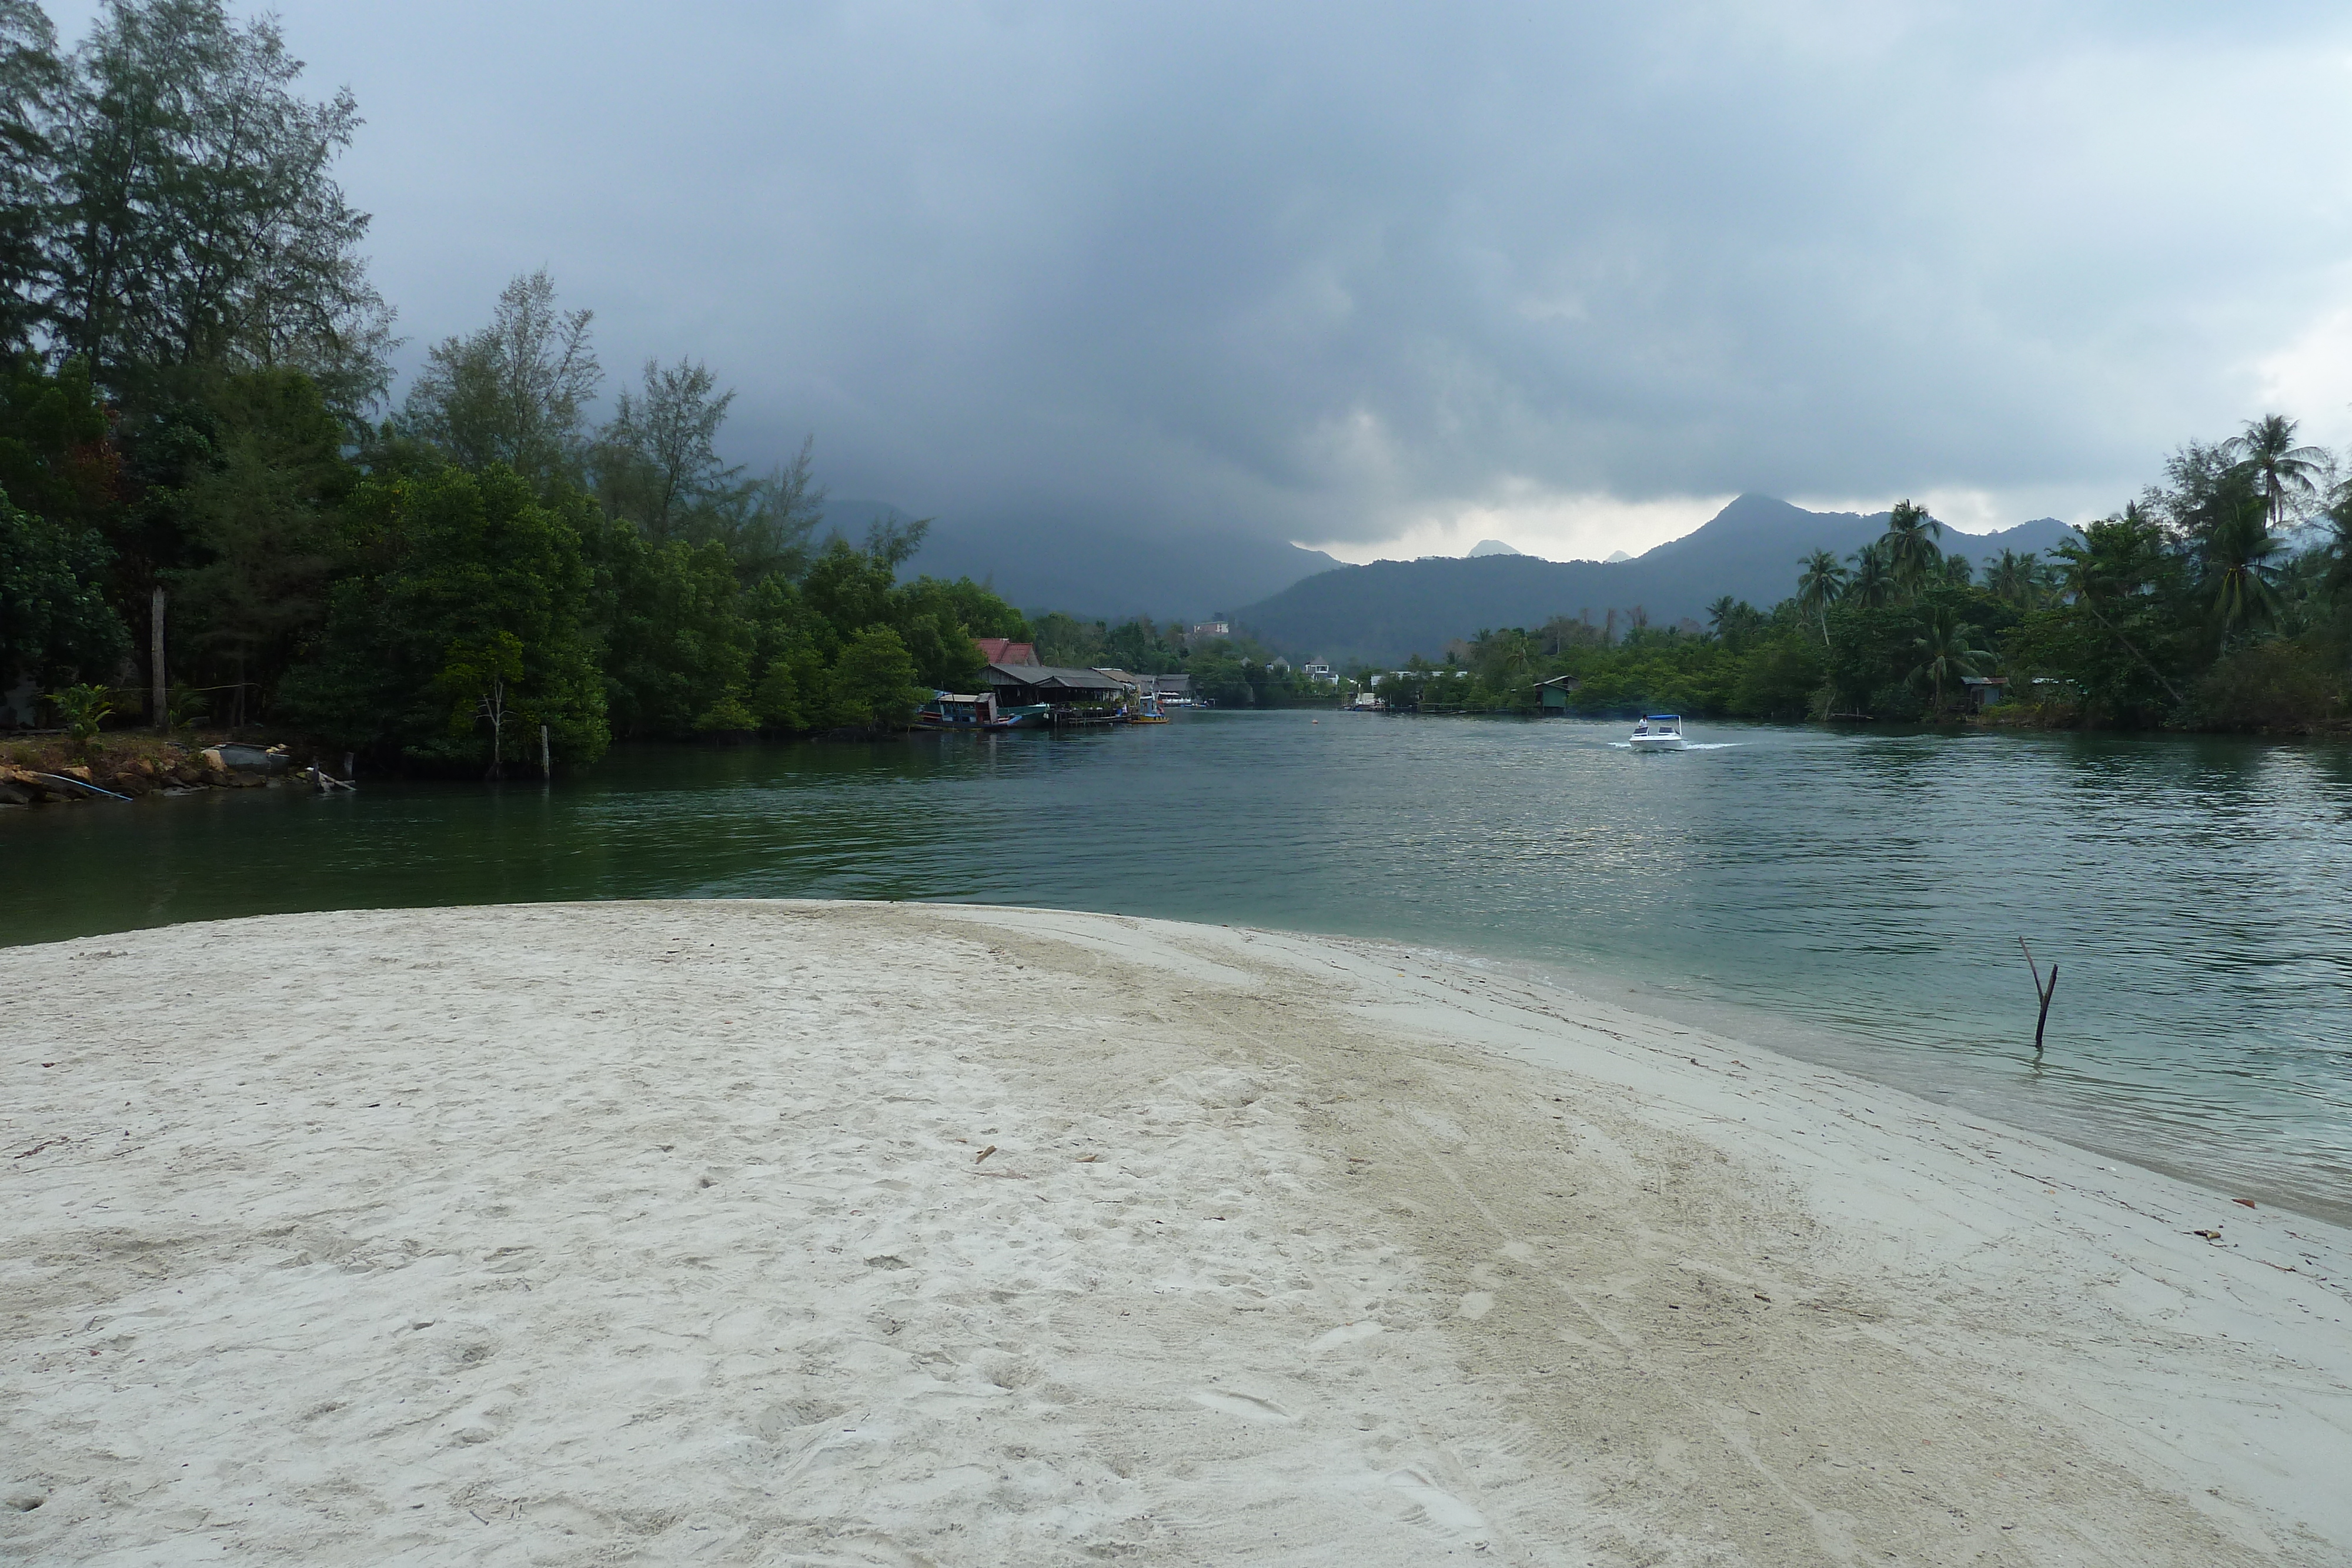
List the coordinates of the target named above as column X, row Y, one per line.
column 1247, row 1406
column 1346, row 1334
column 1441, row 1507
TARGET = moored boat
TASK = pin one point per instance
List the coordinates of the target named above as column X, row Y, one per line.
column 959, row 710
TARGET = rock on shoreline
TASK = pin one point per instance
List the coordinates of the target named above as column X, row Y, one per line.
column 132, row 774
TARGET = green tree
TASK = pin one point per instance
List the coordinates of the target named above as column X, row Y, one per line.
column 1819, row 584
column 456, row 560
column 1219, row 674
column 676, row 636
column 262, row 528
column 872, row 684
column 2237, row 556
column 791, row 692
column 1947, row 650
column 1873, row 584
column 31, row 81
column 54, row 618
column 1068, row 642
column 2015, row 577
column 198, row 222
column 1136, row 644
column 1910, row 544
column 1778, row 678
column 656, row 462
column 1869, row 660
column 475, row 676
column 1733, row 621
column 55, row 455
column 2120, row 588
column 2284, row 475
column 514, row 393
column 84, row 708
column 849, row 588
column 729, row 715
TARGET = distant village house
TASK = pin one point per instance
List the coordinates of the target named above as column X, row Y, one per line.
column 1004, row 651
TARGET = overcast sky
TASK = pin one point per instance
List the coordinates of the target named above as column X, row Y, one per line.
column 1386, row 279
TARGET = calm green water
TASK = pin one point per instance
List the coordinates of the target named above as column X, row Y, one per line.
column 1853, row 898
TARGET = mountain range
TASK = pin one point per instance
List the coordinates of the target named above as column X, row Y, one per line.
column 1384, row 613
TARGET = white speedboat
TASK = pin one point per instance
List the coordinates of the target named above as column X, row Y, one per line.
column 1658, row 732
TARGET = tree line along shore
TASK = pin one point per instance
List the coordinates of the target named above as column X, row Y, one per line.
column 212, row 514
column 2218, row 599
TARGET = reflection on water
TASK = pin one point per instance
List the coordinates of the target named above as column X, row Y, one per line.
column 1852, row 897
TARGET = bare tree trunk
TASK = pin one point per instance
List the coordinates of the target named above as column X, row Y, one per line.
column 161, row 710
column 495, row 705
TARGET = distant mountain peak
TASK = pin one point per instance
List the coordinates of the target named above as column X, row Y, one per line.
column 1751, row 550
column 1614, row 556
column 1493, row 547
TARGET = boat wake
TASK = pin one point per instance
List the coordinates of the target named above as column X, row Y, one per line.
column 1687, row 746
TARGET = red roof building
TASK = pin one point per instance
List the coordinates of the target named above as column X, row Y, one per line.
column 1004, row 651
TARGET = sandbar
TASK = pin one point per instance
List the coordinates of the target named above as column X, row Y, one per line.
column 787, row 1232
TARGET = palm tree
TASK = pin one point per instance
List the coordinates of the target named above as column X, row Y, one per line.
column 1721, row 615
column 1873, row 582
column 1517, row 652
column 1958, row 572
column 2116, row 561
column 1947, row 650
column 1910, row 541
column 2283, row 473
column 2235, row 552
column 2015, row 577
column 2339, row 548
column 1821, row 581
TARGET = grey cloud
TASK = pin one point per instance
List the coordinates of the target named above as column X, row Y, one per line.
column 1296, row 271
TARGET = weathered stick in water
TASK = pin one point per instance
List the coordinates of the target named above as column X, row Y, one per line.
column 2044, row 992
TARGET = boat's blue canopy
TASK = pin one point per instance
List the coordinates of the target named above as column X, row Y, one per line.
column 1670, row 718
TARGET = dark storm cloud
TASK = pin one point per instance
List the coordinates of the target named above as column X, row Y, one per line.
column 1324, row 271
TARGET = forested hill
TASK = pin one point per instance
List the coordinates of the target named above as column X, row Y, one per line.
column 1386, row 612
column 1113, row 573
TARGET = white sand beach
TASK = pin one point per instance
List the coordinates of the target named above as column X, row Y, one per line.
column 796, row 1233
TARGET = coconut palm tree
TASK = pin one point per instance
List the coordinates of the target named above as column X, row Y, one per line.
column 1515, row 654
column 2339, row 549
column 2235, row 551
column 1910, row 541
column 1958, row 570
column 2015, row 577
column 1873, row 582
column 2117, row 560
column 2285, row 475
column 1947, row 650
column 1821, row 580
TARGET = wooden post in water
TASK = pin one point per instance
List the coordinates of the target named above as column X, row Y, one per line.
column 2044, row 992
column 161, row 712
column 545, row 771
